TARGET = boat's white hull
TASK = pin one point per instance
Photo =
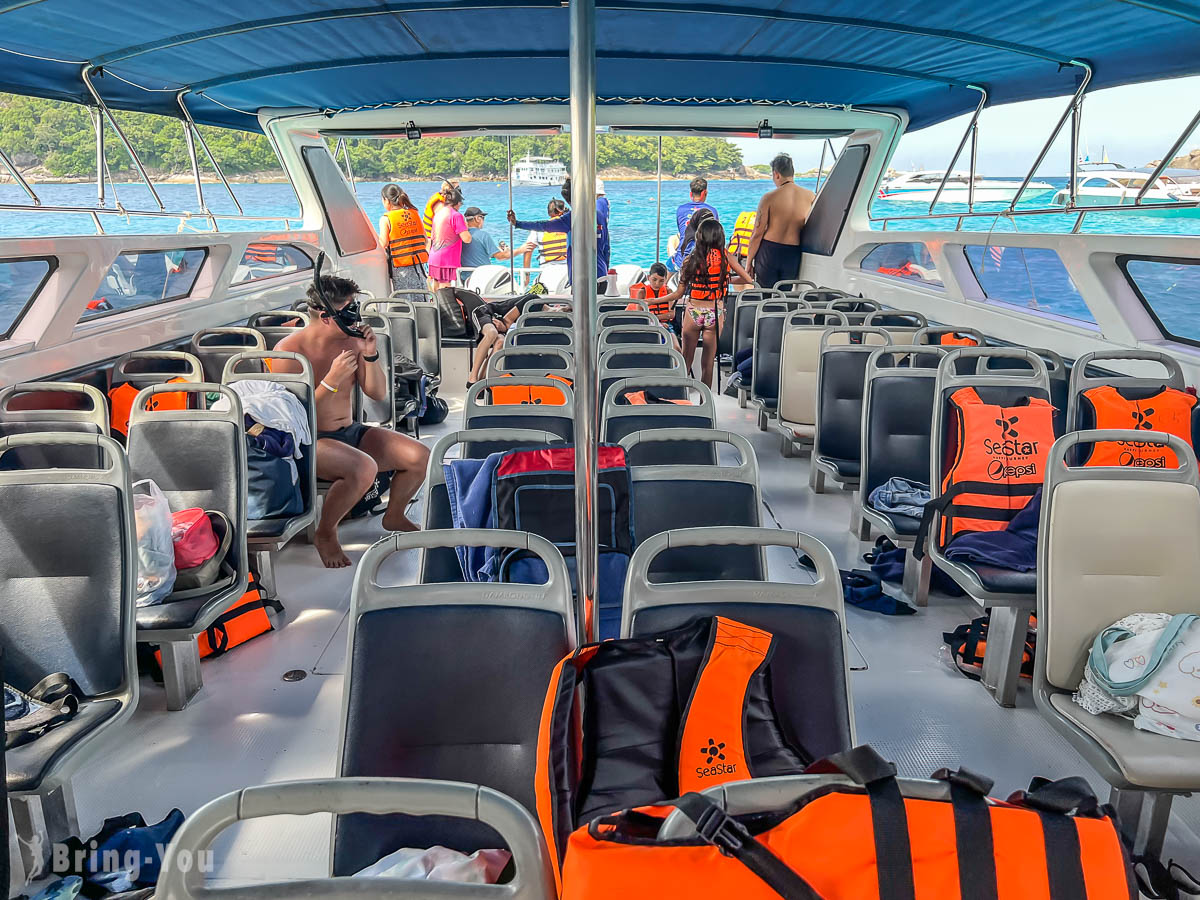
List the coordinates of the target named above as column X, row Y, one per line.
column 1114, row 197
column 537, row 182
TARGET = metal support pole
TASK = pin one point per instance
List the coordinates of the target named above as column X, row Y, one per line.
column 1067, row 113
column 974, row 169
column 203, row 143
column 137, row 160
column 970, row 130
column 512, row 278
column 1073, row 183
column 1166, row 160
column 101, row 163
column 20, row 179
column 821, row 166
column 832, row 152
column 658, row 209
column 583, row 292
column 191, row 148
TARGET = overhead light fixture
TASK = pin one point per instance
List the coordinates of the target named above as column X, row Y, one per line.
column 412, row 132
column 765, row 131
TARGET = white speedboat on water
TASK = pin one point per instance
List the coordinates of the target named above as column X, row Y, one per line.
column 1114, row 185
column 922, row 186
column 539, row 171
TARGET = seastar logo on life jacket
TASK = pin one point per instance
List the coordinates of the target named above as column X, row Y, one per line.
column 713, row 755
column 1141, row 419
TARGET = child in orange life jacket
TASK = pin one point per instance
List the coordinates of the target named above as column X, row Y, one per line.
column 654, row 291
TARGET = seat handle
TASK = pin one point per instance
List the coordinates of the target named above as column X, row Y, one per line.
column 230, row 372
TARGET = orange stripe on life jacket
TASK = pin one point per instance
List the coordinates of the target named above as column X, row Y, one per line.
column 712, row 747
column 260, row 253
column 1169, row 411
column 999, row 461
column 526, row 394
column 644, row 398
column 954, row 339
column 406, row 245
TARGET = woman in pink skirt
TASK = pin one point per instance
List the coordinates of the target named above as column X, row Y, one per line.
column 447, row 236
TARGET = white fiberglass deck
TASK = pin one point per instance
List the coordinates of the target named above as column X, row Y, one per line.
column 248, row 726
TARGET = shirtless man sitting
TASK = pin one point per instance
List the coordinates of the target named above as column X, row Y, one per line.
column 350, row 454
column 774, row 252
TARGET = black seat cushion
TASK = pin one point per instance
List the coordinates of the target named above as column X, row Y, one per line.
column 27, row 764
column 1003, row 581
column 179, row 613
column 845, row 468
column 901, row 524
column 267, row 527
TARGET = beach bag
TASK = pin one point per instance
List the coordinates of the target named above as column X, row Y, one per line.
column 270, row 491
column 245, row 618
column 156, row 549
column 193, row 537
column 205, row 574
column 864, row 836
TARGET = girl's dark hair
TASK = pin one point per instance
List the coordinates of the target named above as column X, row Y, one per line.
column 394, row 195
column 710, row 236
column 555, row 207
column 452, row 197
column 658, row 269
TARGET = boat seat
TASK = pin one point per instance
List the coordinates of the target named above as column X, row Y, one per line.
column 634, row 361
column 368, row 410
column 275, row 326
column 690, row 495
column 799, row 356
column 794, row 286
column 541, row 305
column 214, row 346
column 440, row 564
column 68, row 600
column 620, row 419
column 534, row 336
column 532, row 361
column 1011, row 596
column 449, row 720
column 402, row 325
column 197, row 457
column 563, row 319
column 622, row 316
column 897, row 412
column 902, row 325
column 811, row 689
column 144, row 368
column 622, row 335
column 479, row 412
column 1114, row 541
column 42, row 406
column 934, row 334
column 431, row 801
column 428, row 321
column 841, row 366
column 1060, row 376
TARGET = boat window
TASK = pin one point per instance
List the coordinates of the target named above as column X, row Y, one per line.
column 140, row 278
column 264, row 259
column 352, row 232
column 20, row 281
column 1033, row 279
column 1170, row 290
column 911, row 261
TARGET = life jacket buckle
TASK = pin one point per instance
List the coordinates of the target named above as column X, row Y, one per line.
column 721, row 830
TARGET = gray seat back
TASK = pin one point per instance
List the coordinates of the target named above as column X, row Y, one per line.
column 543, row 304
column 198, row 458
column 429, row 328
column 41, row 406
column 745, row 311
column 214, row 346
column 1164, row 371
column 1113, row 540
column 841, row 374
column 540, row 336
column 480, row 412
column 623, row 317
column 619, row 419
column 799, row 356
column 535, row 361
column 68, row 550
column 274, row 326
column 768, row 346
column 412, row 708
column 610, row 304
column 897, row 416
column 719, row 494
column 301, row 384
column 143, row 368
column 933, row 334
column 826, row 296
column 367, row 409
column 402, row 325
column 624, row 335
column 533, row 878
column 440, row 564
column 811, row 689
column 564, row 319
column 636, row 360
column 902, row 325
column 794, row 286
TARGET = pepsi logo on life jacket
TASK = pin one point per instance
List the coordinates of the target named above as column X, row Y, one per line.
column 1169, row 411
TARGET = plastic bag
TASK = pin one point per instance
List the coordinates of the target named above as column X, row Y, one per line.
column 440, row 864
column 156, row 548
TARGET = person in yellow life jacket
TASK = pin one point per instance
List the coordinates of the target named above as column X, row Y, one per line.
column 431, row 206
column 401, row 233
column 739, row 243
column 551, row 246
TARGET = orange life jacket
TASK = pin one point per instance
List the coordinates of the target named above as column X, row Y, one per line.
column 260, row 253
column 245, row 618
column 954, row 339
column 1169, row 411
column 406, row 244
column 535, row 394
column 999, row 461
column 640, row 398
column 642, row 291
column 121, row 397
column 710, row 285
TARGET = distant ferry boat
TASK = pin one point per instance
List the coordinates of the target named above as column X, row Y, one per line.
column 923, row 186
column 541, row 171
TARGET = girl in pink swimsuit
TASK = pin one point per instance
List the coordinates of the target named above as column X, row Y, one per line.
column 447, row 236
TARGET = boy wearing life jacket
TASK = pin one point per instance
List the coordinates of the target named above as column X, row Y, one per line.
column 654, row 291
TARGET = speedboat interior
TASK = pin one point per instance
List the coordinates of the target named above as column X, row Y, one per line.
column 502, row 678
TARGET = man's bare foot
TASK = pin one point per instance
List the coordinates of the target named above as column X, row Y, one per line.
column 399, row 522
column 331, row 551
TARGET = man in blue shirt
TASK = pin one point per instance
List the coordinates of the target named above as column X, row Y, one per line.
column 563, row 224
column 483, row 247
column 683, row 215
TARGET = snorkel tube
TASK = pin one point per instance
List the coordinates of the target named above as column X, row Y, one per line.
column 348, row 318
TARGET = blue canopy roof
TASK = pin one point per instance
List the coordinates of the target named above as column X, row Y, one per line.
column 237, row 57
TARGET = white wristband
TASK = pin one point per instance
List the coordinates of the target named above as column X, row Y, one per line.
column 327, row 387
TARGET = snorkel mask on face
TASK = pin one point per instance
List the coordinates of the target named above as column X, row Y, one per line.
column 349, row 317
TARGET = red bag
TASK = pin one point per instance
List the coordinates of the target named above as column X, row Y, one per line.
column 195, row 540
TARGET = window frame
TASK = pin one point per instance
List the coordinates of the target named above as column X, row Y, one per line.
column 919, row 282
column 1123, row 261
column 85, row 319
column 52, row 267
column 1084, row 324
column 311, row 263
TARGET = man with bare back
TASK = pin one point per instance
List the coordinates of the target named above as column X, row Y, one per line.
column 774, row 252
column 350, row 454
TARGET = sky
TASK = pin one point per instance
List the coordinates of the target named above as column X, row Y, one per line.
column 1135, row 123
